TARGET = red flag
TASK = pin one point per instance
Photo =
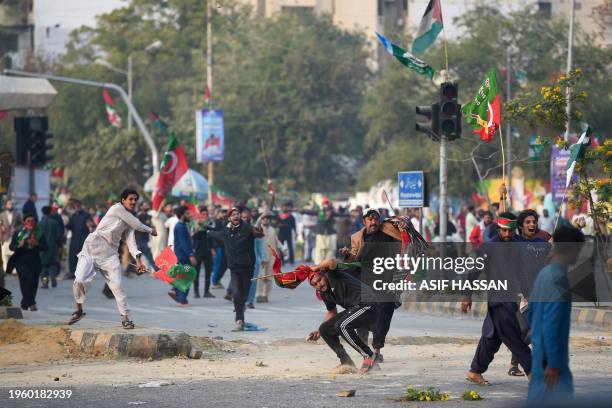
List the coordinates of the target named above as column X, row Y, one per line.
column 107, row 97
column 207, row 95
column 289, row 280
column 173, row 167
column 164, row 261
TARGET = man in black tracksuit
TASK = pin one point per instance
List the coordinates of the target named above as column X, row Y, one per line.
column 203, row 254
column 360, row 311
column 367, row 244
column 238, row 239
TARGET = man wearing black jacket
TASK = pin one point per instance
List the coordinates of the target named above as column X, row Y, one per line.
column 203, row 254
column 238, row 239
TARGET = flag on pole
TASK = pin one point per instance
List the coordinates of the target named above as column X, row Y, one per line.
column 157, row 122
column 220, row 197
column 113, row 117
column 406, row 58
column 577, row 151
column 483, row 113
column 430, row 27
column 173, row 166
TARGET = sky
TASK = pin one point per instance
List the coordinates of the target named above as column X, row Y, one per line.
column 69, row 14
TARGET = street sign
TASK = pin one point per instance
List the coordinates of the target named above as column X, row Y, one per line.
column 412, row 189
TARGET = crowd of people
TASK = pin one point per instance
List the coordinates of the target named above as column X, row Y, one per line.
column 247, row 241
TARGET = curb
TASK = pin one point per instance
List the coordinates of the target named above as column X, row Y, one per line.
column 581, row 316
column 10, row 312
column 147, row 346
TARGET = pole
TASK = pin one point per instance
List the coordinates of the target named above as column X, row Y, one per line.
column 129, row 78
column 443, row 185
column 508, row 126
column 209, row 84
column 570, row 46
column 143, row 129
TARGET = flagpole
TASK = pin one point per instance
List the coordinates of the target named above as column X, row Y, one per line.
column 445, row 46
column 501, row 142
column 209, row 84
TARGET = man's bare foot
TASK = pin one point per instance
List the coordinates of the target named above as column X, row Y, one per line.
column 476, row 378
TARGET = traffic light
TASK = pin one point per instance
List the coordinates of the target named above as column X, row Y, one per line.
column 432, row 126
column 450, row 111
column 31, row 139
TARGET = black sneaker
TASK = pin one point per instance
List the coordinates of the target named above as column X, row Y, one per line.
column 208, row 295
column 174, row 296
column 250, row 306
column 53, row 282
column 108, row 292
column 196, row 293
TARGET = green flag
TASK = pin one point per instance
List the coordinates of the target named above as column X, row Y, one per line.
column 406, row 58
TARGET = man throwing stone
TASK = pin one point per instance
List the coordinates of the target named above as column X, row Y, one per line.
column 100, row 254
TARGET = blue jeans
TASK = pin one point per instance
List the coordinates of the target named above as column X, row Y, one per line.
column 216, row 276
column 182, row 296
column 251, row 296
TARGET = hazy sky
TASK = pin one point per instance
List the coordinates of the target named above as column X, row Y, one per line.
column 69, row 14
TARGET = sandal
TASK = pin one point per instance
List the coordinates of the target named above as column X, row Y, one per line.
column 482, row 381
column 76, row 316
column 368, row 364
column 127, row 324
column 515, row 372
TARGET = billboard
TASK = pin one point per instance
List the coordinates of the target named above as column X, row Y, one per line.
column 210, row 140
column 558, row 164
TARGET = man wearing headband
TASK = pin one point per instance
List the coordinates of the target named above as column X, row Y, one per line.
column 238, row 238
column 501, row 325
column 360, row 311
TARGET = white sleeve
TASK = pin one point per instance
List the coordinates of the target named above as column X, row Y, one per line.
column 124, row 215
column 131, row 244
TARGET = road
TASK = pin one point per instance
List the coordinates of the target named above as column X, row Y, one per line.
column 424, row 350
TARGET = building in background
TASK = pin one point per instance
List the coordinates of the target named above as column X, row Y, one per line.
column 16, row 32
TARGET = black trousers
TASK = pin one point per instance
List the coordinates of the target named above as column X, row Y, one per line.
column 28, row 282
column 501, row 326
column 240, row 285
column 345, row 324
column 205, row 259
column 383, row 324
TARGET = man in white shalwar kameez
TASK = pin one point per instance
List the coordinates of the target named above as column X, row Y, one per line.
column 101, row 254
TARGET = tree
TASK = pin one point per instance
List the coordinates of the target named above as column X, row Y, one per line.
column 487, row 36
column 294, row 82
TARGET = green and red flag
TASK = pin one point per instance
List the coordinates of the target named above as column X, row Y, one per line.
column 157, row 122
column 173, row 166
column 170, row 271
column 113, row 117
column 219, row 197
column 483, row 113
column 291, row 280
column 430, row 27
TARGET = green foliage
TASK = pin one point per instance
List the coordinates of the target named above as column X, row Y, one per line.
column 427, row 394
column 471, row 395
column 294, row 82
column 109, row 160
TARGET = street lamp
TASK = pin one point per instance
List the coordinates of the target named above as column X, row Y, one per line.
column 155, row 45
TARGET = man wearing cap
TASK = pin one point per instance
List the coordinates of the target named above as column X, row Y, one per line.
column 366, row 244
column 501, row 325
column 360, row 312
column 238, row 238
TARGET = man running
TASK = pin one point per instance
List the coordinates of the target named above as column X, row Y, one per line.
column 360, row 312
column 100, row 254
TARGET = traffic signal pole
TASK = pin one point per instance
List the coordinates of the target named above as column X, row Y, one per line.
column 443, row 189
column 143, row 129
